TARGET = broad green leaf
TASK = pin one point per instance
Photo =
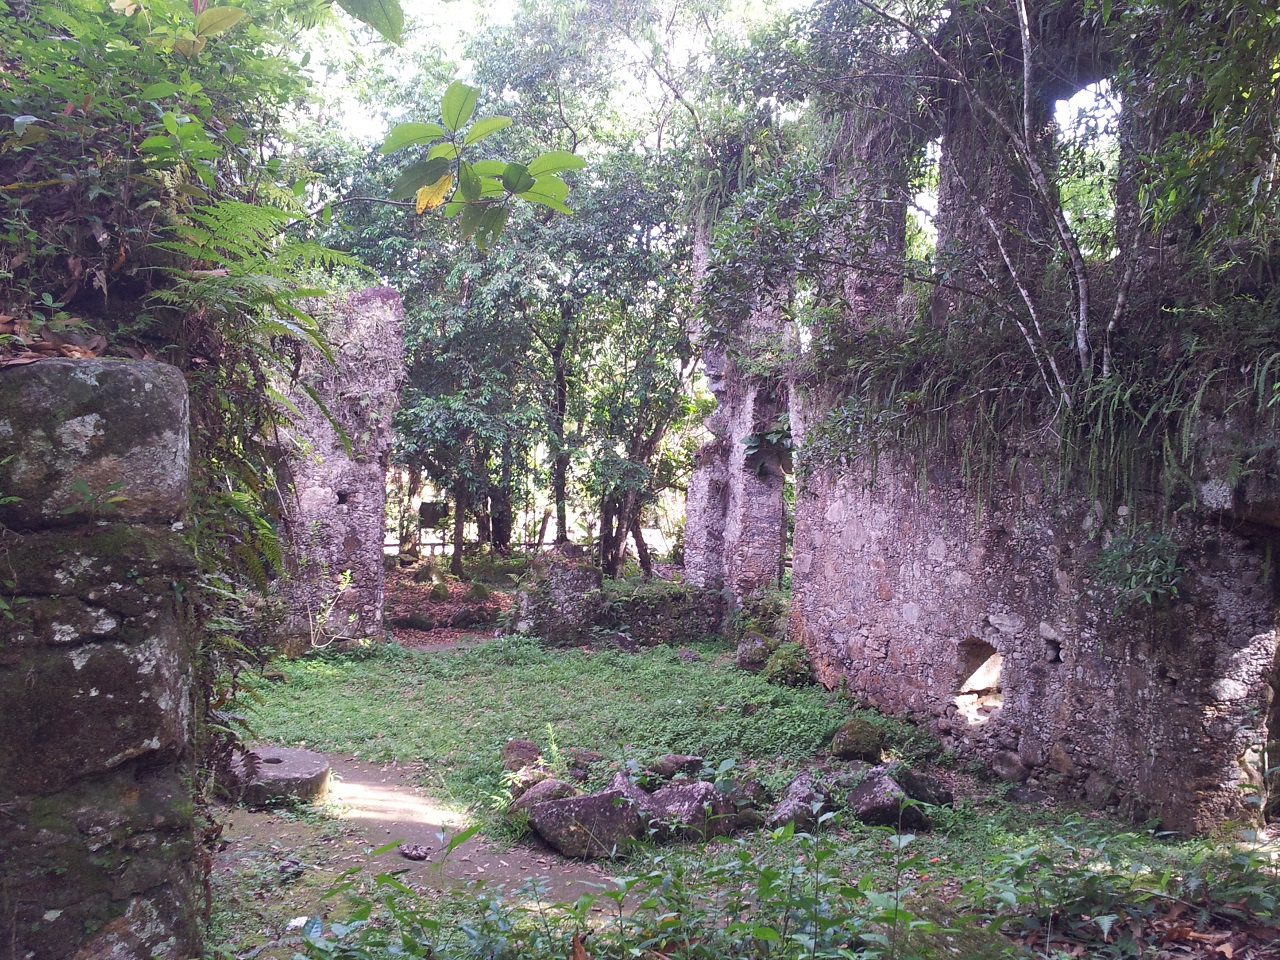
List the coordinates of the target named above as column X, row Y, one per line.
column 454, row 207
column 468, row 182
column 432, row 196
column 385, row 16
column 189, row 47
column 418, row 175
column 447, row 150
column 458, row 839
column 458, row 104
column 555, row 162
column 410, row 135
column 491, row 224
column 470, row 219
column 546, row 188
column 516, row 178
column 159, row 90
column 489, row 168
column 485, row 126
column 216, row 20
column 170, row 123
column 491, row 187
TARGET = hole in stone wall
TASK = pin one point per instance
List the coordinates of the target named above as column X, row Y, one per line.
column 343, row 496
column 1053, row 651
column 981, row 695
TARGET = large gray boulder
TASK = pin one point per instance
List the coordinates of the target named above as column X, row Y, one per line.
column 803, row 801
column 879, row 799
column 596, row 825
column 540, row 792
column 691, row 811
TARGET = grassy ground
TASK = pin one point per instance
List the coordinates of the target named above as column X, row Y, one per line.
column 456, row 710
column 1060, row 881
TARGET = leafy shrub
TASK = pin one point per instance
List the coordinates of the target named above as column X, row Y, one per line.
column 1141, row 566
column 789, row 666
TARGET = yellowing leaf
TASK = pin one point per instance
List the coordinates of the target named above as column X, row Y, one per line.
column 217, row 20
column 432, row 196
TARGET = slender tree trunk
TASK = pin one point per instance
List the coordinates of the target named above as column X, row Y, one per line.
column 642, row 548
column 459, row 527
column 560, row 462
column 542, row 529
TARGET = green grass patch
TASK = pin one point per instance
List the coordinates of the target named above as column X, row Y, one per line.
column 455, row 710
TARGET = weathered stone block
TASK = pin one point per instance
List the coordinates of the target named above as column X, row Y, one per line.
column 93, row 440
column 597, row 825
column 287, row 774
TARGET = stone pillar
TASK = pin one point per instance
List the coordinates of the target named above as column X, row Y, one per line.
column 335, row 504
column 96, row 833
column 735, row 527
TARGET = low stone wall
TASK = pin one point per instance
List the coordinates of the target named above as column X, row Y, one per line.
column 335, row 506
column 96, row 834
column 567, row 603
column 995, row 628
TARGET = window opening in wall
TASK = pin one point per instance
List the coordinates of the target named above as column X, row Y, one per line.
column 981, row 695
column 1088, row 157
column 343, row 496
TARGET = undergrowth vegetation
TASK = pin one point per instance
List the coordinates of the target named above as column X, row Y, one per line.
column 993, row 879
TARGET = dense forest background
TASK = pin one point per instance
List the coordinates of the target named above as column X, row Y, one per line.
column 178, row 178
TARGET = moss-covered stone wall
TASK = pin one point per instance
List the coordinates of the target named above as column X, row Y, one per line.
column 96, row 830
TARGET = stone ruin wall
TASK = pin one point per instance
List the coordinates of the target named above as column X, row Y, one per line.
column 736, row 532
column 96, row 834
column 335, row 503
column 903, row 594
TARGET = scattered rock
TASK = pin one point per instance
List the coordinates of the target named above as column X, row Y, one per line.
column 414, row 851
column 580, row 761
column 596, row 825
column 858, row 739
column 464, row 616
column 923, row 787
column 540, row 792
column 1098, row 790
column 753, row 654
column 1028, row 795
column 673, row 764
column 747, row 798
column 688, row 656
column 690, row 811
column 520, row 782
column 286, row 773
column 638, row 798
column 878, row 801
column 518, row 754
column 440, row 592
column 1007, row 765
column 801, row 803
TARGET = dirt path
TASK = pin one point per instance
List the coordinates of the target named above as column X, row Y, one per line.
column 275, row 866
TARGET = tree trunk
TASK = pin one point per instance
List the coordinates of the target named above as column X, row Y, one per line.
column 559, row 407
column 642, row 548
column 459, row 527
